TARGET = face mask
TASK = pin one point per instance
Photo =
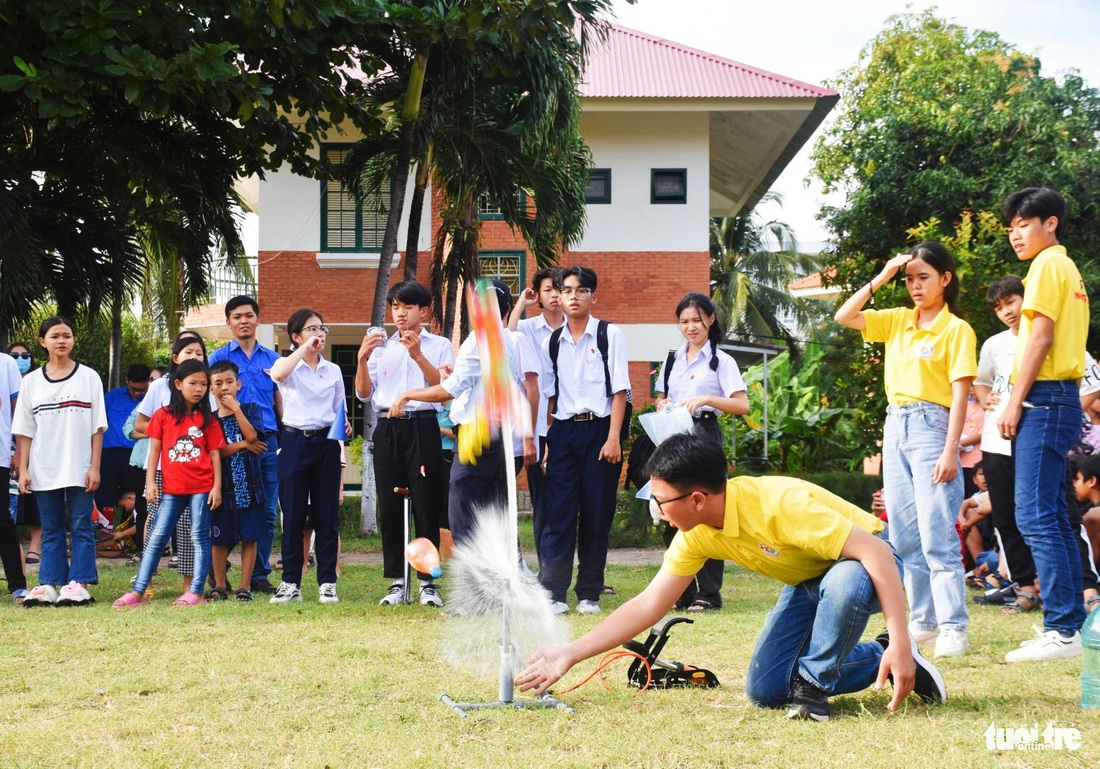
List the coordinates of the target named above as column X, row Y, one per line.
column 24, row 365
column 654, row 512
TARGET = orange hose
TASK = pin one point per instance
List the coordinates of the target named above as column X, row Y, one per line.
column 606, row 660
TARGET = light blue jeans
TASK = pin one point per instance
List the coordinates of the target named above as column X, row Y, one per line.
column 814, row 630
column 922, row 515
column 169, row 509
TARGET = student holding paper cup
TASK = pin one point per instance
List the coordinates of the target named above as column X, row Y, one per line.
column 707, row 382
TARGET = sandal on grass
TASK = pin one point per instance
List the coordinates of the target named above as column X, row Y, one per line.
column 701, row 605
column 244, row 594
column 33, row 556
column 1025, row 601
column 217, row 594
column 188, row 599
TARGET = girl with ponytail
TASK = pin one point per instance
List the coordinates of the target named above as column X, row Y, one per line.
column 707, row 382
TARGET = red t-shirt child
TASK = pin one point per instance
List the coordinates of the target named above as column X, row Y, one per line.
column 185, row 448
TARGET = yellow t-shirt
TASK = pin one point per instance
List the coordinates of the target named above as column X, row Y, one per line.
column 1053, row 287
column 783, row 528
column 921, row 363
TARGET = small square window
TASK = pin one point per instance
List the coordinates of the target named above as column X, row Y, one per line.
column 668, row 185
column 599, row 186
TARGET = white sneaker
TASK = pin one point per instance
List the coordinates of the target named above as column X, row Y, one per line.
column 327, row 593
column 924, row 636
column 1048, row 645
column 952, row 642
column 429, row 596
column 74, row 594
column 588, row 607
column 43, row 595
column 286, row 593
column 558, row 607
column 395, row 595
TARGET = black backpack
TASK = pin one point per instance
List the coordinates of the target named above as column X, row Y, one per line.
column 602, row 346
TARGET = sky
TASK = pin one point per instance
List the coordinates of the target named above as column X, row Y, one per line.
column 813, row 41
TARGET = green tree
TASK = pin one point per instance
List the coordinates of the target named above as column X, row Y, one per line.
column 125, row 123
column 751, row 263
column 935, row 119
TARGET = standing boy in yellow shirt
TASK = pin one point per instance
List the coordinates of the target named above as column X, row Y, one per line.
column 1043, row 413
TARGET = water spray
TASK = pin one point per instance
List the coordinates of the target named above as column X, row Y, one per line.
column 500, row 606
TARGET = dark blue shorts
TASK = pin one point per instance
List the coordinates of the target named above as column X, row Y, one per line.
column 227, row 527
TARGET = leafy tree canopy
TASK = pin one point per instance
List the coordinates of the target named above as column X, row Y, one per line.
column 936, row 119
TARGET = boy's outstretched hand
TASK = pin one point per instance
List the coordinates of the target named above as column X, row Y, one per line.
column 547, row 665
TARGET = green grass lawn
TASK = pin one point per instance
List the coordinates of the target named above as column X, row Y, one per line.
column 358, row 685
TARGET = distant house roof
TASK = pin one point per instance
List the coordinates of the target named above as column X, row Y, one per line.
column 632, row 64
column 813, row 286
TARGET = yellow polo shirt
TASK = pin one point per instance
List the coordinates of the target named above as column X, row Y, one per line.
column 783, row 528
column 921, row 363
column 1053, row 287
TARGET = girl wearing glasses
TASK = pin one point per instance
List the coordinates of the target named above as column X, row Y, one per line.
column 309, row 459
column 708, row 383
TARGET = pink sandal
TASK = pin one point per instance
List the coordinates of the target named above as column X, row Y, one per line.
column 188, row 599
column 130, row 601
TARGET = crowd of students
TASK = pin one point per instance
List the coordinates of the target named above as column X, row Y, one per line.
column 204, row 452
column 220, row 441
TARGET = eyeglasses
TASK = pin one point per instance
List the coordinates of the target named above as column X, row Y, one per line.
column 316, row 329
column 581, row 292
column 23, row 355
column 660, row 504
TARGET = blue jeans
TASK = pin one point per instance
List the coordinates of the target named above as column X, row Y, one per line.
column 1044, row 437
column 922, row 515
column 269, row 476
column 814, row 630
column 169, row 509
column 56, row 569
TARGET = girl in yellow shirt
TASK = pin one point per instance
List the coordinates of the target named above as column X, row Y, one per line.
column 929, row 364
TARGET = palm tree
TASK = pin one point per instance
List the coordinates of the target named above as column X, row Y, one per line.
column 751, row 263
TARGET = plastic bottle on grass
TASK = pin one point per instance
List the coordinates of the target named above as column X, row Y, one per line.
column 1090, row 668
column 423, row 556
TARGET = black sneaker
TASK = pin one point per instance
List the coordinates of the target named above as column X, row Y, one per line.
column 929, row 684
column 262, row 586
column 809, row 701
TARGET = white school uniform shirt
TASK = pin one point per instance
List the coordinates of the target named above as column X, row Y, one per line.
column 695, row 379
column 157, row 397
column 995, row 364
column 60, row 416
column 392, row 372
column 465, row 383
column 10, row 382
column 537, row 330
column 581, row 381
column 312, row 397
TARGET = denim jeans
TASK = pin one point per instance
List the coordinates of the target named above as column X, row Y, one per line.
column 169, row 509
column 269, row 476
column 814, row 630
column 1044, row 437
column 922, row 515
column 56, row 569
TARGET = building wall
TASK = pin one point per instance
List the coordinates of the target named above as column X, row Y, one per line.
column 647, row 256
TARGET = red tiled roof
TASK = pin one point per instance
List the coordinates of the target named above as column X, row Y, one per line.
column 812, row 281
column 632, row 64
